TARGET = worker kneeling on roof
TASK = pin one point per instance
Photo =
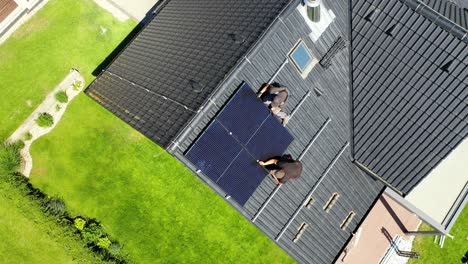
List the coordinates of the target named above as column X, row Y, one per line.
column 275, row 97
column 283, row 168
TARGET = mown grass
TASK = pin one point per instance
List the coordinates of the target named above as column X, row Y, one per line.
column 64, row 34
column 101, row 167
column 146, row 199
column 28, row 234
column 453, row 250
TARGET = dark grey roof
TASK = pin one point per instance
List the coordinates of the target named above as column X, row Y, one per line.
column 149, row 87
column 324, row 238
column 409, row 97
column 410, row 90
column 454, row 11
column 167, row 72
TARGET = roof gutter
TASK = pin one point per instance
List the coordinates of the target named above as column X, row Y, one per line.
column 423, row 216
column 206, row 106
column 374, row 175
column 456, row 209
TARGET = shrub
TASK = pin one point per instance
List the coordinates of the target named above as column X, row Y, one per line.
column 10, row 158
column 114, row 248
column 77, row 85
column 19, row 144
column 92, row 232
column 79, row 223
column 45, row 120
column 103, row 242
column 56, row 206
column 61, row 96
column 28, row 136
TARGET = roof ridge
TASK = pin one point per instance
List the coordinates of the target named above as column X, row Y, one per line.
column 438, row 19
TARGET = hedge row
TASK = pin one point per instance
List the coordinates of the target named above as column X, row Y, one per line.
column 90, row 230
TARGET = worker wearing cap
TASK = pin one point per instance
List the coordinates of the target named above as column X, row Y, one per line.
column 283, row 168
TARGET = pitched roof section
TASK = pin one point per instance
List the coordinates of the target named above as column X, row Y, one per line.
column 455, row 12
column 320, row 126
column 410, row 91
column 178, row 59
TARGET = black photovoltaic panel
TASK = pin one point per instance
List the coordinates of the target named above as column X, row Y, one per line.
column 242, row 133
column 272, row 139
column 242, row 178
column 243, row 114
column 213, row 163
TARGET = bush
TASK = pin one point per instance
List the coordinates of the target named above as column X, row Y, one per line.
column 28, row 136
column 115, row 248
column 45, row 120
column 56, row 207
column 103, row 242
column 61, row 96
column 10, row 158
column 79, row 223
column 92, row 232
column 19, row 144
column 77, row 85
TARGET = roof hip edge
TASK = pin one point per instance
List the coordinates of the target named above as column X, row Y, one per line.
column 438, row 19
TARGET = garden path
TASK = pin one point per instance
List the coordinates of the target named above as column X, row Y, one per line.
column 54, row 108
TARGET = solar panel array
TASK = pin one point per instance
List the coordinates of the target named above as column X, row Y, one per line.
column 242, row 133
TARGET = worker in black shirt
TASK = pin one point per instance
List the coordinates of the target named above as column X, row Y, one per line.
column 283, row 168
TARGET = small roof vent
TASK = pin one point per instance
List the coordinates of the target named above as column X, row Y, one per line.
column 236, row 38
column 391, row 30
column 313, row 10
column 447, row 67
column 196, row 87
column 371, row 15
column 318, row 92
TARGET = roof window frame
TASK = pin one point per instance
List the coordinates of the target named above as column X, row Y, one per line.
column 311, row 63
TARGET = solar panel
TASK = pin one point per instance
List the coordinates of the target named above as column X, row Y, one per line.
column 243, row 114
column 272, row 139
column 243, row 132
column 213, row 163
column 242, row 178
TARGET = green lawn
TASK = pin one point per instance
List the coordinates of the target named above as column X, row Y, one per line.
column 62, row 35
column 29, row 236
column 145, row 198
column 101, row 167
column 453, row 250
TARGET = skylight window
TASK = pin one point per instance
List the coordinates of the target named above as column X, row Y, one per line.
column 302, row 58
